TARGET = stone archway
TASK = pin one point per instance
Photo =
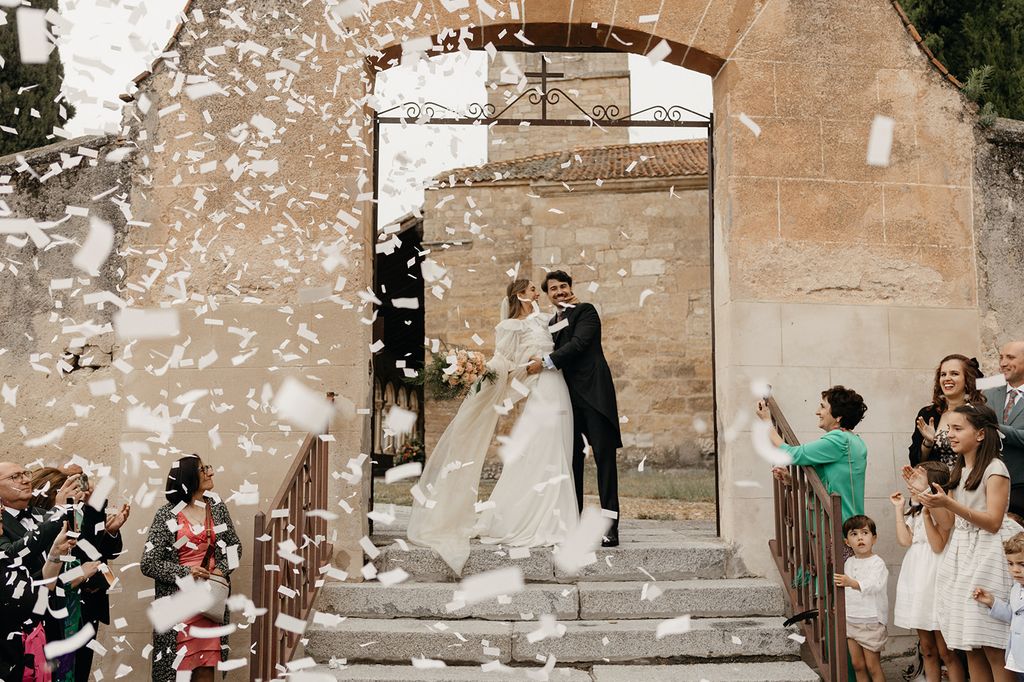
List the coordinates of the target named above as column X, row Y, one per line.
column 801, row 222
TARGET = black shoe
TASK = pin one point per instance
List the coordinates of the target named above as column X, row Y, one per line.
column 610, row 541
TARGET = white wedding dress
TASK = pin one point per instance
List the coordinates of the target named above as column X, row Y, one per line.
column 533, row 503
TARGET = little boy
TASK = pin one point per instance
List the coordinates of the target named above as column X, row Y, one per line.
column 1011, row 612
column 865, row 578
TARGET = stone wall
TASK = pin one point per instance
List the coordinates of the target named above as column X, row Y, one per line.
column 998, row 196
column 618, row 241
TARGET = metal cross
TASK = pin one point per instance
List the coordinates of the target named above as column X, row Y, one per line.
column 543, row 74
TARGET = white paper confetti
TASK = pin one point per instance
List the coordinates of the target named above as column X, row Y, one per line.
column 880, row 140
column 141, row 323
column 673, row 626
column 659, row 52
column 749, row 122
column 97, row 247
column 303, row 407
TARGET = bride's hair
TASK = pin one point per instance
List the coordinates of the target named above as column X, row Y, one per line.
column 512, row 293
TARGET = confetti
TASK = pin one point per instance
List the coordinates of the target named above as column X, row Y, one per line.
column 749, row 122
column 303, row 407
column 673, row 626
column 880, row 140
column 139, row 323
column 34, row 43
column 659, row 52
column 577, row 550
column 994, row 381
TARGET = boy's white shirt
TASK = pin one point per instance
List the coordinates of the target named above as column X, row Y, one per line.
column 869, row 604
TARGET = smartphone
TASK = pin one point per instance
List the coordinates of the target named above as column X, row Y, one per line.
column 70, row 516
column 83, row 482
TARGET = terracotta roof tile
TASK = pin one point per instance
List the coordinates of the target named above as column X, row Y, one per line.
column 621, row 161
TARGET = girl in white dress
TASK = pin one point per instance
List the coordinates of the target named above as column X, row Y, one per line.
column 534, row 502
column 915, row 590
column 974, row 556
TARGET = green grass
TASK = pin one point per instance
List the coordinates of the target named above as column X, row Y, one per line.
column 687, row 485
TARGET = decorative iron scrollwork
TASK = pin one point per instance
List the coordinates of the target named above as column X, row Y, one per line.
column 475, row 113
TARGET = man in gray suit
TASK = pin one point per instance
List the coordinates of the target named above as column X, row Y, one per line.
column 1008, row 403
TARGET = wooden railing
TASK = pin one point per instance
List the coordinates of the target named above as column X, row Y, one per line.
column 808, row 550
column 281, row 584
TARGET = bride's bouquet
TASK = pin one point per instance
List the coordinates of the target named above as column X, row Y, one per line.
column 450, row 374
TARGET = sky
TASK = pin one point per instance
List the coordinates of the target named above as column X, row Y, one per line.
column 107, row 43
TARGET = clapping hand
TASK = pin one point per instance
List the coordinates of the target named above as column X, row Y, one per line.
column 927, row 430
column 916, row 479
column 937, row 499
column 116, row 520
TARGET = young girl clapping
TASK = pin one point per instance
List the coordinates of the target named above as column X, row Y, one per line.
column 915, row 591
column 974, row 555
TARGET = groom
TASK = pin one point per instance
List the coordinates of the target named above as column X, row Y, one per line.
column 576, row 330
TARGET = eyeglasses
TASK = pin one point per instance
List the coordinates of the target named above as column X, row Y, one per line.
column 22, row 475
column 207, row 469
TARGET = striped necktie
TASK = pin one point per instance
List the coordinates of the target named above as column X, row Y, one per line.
column 1011, row 399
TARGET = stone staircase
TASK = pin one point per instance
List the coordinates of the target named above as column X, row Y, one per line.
column 736, row 633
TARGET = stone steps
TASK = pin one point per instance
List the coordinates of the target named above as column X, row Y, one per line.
column 675, row 558
column 584, row 641
column 585, row 600
column 767, row 671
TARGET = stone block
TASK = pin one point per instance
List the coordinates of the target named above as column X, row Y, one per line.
column 401, row 639
column 424, row 565
column 845, row 144
column 920, row 337
column 834, row 336
column 650, row 266
column 808, row 88
column 751, row 208
column 932, row 216
column 634, row 639
column 831, row 211
column 765, row 671
column 787, row 147
column 665, row 560
column 761, row 341
column 699, row 598
column 429, row 600
column 893, row 396
column 751, row 87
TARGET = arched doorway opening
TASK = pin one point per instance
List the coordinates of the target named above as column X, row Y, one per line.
column 668, row 415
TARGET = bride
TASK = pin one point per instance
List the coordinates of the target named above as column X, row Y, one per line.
column 533, row 503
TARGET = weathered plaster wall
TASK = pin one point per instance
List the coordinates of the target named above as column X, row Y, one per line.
column 41, row 295
column 998, row 197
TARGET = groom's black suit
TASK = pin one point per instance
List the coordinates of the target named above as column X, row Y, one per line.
column 579, row 355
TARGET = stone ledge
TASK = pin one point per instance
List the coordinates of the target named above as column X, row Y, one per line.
column 633, row 640
column 789, row 671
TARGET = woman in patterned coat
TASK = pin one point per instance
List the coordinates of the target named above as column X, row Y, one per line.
column 189, row 497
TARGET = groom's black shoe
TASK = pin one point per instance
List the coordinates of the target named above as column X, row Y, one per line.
column 610, row 540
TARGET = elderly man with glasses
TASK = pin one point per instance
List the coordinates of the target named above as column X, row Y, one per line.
column 28, row 531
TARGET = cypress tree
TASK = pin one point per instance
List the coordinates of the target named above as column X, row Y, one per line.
column 967, row 36
column 29, row 89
